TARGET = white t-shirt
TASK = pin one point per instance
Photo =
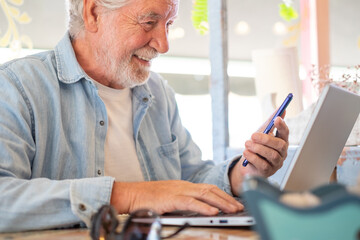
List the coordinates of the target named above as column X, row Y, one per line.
column 121, row 161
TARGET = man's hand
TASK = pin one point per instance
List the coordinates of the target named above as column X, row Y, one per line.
column 171, row 195
column 265, row 153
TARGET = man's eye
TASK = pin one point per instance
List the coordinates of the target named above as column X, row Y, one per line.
column 150, row 23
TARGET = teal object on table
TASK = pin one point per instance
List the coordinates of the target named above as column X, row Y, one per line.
column 336, row 217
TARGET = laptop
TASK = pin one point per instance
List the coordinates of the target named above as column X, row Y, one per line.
column 324, row 138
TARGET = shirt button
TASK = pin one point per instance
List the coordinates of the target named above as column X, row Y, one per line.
column 145, row 99
column 102, row 123
column 82, row 207
column 99, row 172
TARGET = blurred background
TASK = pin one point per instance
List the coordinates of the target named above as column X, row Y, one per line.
column 28, row 26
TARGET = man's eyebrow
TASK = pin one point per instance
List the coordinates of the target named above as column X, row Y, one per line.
column 152, row 15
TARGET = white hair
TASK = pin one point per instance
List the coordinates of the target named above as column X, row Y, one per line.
column 75, row 7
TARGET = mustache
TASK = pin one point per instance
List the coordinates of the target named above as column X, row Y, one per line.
column 149, row 53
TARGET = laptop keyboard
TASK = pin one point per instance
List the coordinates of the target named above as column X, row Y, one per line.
column 195, row 214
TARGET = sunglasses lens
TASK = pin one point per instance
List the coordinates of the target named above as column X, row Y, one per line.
column 142, row 225
column 104, row 222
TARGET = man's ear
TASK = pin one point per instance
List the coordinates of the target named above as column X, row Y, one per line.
column 90, row 15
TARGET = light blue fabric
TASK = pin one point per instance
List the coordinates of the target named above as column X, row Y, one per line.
column 52, row 133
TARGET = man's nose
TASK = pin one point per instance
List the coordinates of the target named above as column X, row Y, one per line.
column 160, row 40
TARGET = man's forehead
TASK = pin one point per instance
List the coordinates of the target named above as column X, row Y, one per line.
column 173, row 3
column 176, row 2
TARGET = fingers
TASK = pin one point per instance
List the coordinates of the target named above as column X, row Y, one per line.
column 282, row 129
column 208, row 200
column 265, row 151
column 171, row 195
column 185, row 203
column 258, row 165
column 218, row 198
column 213, row 196
column 265, row 124
column 269, row 147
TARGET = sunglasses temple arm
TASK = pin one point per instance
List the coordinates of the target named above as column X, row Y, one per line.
column 186, row 225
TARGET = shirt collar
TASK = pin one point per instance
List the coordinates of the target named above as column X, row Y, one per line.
column 69, row 70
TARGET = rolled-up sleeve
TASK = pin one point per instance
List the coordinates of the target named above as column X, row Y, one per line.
column 43, row 203
column 88, row 195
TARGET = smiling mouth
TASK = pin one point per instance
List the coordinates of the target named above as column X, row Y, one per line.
column 143, row 58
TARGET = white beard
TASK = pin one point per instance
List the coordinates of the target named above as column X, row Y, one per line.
column 122, row 71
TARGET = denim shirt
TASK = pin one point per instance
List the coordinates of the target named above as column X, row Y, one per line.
column 52, row 133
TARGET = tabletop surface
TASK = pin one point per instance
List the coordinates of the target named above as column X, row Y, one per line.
column 193, row 233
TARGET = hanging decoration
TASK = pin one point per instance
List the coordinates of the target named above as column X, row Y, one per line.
column 199, row 16
column 11, row 37
column 287, row 11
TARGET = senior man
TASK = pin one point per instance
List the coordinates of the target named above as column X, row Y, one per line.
column 88, row 124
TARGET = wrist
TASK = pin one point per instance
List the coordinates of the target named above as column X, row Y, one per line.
column 120, row 197
column 236, row 177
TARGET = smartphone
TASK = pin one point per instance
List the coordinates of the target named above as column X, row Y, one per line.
column 279, row 112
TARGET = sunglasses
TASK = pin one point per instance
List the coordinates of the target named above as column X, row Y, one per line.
column 142, row 224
